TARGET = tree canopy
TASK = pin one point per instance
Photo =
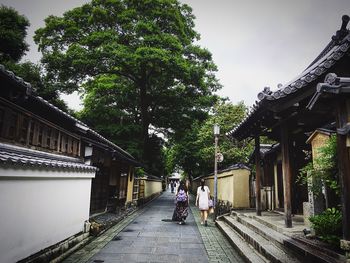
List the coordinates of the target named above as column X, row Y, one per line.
column 33, row 74
column 137, row 64
column 194, row 150
column 13, row 30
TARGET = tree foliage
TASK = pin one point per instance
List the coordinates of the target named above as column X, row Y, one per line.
column 33, row 74
column 142, row 55
column 227, row 116
column 194, row 150
column 324, row 170
column 13, row 30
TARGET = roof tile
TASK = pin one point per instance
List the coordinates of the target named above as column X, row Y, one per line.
column 11, row 154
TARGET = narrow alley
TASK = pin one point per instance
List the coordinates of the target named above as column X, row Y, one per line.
column 149, row 235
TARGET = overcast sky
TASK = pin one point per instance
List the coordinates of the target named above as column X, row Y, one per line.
column 254, row 43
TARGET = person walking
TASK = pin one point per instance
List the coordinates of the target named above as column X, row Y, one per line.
column 172, row 186
column 181, row 208
column 202, row 201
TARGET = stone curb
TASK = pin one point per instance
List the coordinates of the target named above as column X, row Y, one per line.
column 216, row 244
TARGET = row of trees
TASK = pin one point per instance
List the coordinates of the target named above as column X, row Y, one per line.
column 146, row 84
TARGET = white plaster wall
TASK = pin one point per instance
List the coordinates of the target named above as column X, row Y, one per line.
column 39, row 208
column 152, row 187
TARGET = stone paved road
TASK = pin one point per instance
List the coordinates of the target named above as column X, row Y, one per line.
column 217, row 246
column 149, row 236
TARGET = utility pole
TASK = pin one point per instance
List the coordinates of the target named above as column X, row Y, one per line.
column 216, row 137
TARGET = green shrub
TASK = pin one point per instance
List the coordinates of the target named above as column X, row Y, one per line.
column 323, row 171
column 328, row 225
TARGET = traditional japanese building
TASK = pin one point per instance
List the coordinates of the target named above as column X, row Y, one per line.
column 289, row 116
column 55, row 172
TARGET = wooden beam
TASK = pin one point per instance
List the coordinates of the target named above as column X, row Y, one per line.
column 287, row 175
column 257, row 176
column 343, row 115
column 290, row 100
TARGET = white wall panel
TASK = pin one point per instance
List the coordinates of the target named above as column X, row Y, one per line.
column 39, row 208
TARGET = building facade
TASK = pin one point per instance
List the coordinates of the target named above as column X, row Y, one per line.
column 290, row 115
column 55, row 172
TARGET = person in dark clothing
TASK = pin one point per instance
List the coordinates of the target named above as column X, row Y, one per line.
column 172, row 186
column 181, row 209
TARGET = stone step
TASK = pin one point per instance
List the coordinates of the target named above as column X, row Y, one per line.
column 314, row 245
column 306, row 251
column 261, row 244
column 268, row 233
column 310, row 254
column 244, row 249
column 258, row 219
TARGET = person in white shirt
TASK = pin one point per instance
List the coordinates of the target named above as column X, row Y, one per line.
column 202, row 201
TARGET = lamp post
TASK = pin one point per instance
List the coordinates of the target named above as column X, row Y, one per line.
column 216, row 136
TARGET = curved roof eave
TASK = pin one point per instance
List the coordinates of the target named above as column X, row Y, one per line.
column 310, row 74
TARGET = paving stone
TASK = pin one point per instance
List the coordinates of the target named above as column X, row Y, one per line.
column 214, row 241
column 147, row 235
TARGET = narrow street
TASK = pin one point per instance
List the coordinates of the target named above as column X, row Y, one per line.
column 149, row 235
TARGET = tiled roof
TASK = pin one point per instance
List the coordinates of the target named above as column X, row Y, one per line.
column 16, row 155
column 18, row 80
column 337, row 51
column 29, row 91
column 310, row 74
column 84, row 125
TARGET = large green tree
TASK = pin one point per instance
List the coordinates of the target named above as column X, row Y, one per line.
column 13, row 30
column 227, row 115
column 194, row 150
column 143, row 52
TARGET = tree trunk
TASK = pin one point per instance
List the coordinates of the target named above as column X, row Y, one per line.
column 144, row 118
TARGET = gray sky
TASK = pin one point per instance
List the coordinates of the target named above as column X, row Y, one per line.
column 255, row 43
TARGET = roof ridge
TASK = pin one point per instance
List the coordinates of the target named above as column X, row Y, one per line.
column 329, row 55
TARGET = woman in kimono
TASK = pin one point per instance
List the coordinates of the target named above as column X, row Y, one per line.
column 182, row 201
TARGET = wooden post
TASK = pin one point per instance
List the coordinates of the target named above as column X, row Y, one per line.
column 287, row 175
column 277, row 201
column 257, row 176
column 344, row 166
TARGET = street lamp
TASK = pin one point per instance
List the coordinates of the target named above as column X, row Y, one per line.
column 216, row 136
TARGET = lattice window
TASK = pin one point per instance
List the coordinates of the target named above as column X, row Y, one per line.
column 12, row 125
column 69, row 145
column 31, row 132
column 25, row 129
column 2, row 119
column 48, row 138
column 54, row 144
column 75, row 149
column 40, row 135
column 63, row 145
